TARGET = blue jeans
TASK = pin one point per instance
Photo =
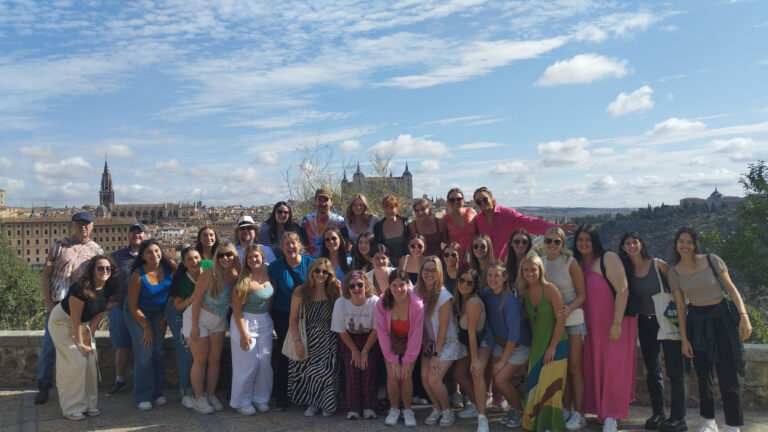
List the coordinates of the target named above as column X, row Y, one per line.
column 148, row 362
column 47, row 358
column 183, row 355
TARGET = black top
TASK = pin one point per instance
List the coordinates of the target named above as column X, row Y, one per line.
column 92, row 307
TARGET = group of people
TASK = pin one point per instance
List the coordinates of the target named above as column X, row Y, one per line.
column 438, row 308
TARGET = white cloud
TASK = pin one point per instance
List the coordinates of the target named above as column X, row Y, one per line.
column 514, row 167
column 732, row 145
column 268, row 158
column 583, row 68
column 74, row 167
column 603, row 183
column 5, row 162
column 291, row 119
column 479, row 146
column 637, row 101
column 37, row 152
column 350, row 145
column 430, row 165
column 602, row 151
column 172, row 166
column 407, row 145
column 118, row 150
column 676, row 126
column 563, row 153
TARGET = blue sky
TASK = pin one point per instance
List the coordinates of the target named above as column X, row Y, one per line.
column 558, row 103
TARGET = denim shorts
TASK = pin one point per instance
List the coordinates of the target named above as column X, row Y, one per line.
column 518, row 357
column 207, row 322
column 576, row 329
column 118, row 332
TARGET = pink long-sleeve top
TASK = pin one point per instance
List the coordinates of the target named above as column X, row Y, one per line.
column 505, row 222
column 384, row 327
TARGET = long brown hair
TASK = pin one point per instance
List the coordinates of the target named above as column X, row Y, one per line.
column 388, row 299
column 431, row 297
column 331, row 286
column 476, row 263
column 459, row 301
column 86, row 280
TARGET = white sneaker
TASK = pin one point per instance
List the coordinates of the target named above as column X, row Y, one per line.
column 188, row 401
column 514, row 419
column 161, row 400
column 215, row 403
column 433, row 417
column 482, row 423
column 457, row 400
column 609, row 425
column 311, row 411
column 732, row 428
column 353, row 415
column 93, row 412
column 447, row 418
column 566, row 414
column 576, row 422
column 247, row 410
column 709, row 425
column 408, row 418
column 392, row 417
column 145, row 406
column 369, row 414
column 202, row 406
column 419, row 401
column 262, row 407
column 469, row 411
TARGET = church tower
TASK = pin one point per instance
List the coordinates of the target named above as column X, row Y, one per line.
column 107, row 194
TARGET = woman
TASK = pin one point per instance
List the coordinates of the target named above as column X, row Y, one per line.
column 469, row 370
column 251, row 335
column 548, row 364
column 314, row 380
column 180, row 293
column 610, row 338
column 428, row 226
column 564, row 272
column 511, row 338
column 452, row 265
column 71, row 326
column 360, row 219
column 520, row 242
column 286, row 274
column 145, row 318
column 392, row 231
column 411, row 262
column 441, row 343
column 354, row 321
column 279, row 222
column 499, row 222
column 205, row 323
column 207, row 242
column 710, row 332
column 458, row 223
column 399, row 327
column 482, row 246
column 361, row 255
column 335, row 249
column 379, row 276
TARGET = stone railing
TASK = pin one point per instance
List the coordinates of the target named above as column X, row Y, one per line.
column 19, row 352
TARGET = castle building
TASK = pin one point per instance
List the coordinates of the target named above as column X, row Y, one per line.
column 714, row 202
column 375, row 188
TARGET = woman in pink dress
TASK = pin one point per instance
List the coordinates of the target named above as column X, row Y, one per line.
column 610, row 347
column 458, row 224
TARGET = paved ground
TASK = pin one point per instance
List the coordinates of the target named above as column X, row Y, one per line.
column 19, row 413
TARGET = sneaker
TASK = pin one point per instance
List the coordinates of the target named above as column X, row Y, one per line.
column 576, row 422
column 282, row 404
column 499, row 403
column 448, row 418
column 469, row 411
column 188, row 401
column 262, row 407
column 408, row 418
column 215, row 403
column 732, row 428
column 352, row 415
column 327, row 413
column 433, row 417
column 369, row 414
column 161, row 400
column 115, row 388
column 514, row 419
column 42, row 395
column 247, row 410
column 674, row 425
column 566, row 414
column 457, row 400
column 202, row 406
column 419, row 401
column 74, row 416
column 488, row 400
column 482, row 423
column 93, row 412
column 609, row 425
column 311, row 411
column 145, row 406
column 709, row 425
column 392, row 416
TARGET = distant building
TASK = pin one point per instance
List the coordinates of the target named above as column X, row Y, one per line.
column 375, row 188
column 716, row 201
column 2, row 198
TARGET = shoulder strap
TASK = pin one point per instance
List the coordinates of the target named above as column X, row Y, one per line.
column 714, row 272
column 658, row 275
column 602, row 270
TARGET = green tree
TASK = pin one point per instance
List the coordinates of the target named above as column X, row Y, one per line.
column 21, row 301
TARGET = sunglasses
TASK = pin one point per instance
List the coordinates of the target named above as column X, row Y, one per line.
column 104, row 269
column 469, row 282
column 321, row 271
column 483, row 200
column 282, row 212
column 354, row 285
column 225, row 255
column 480, row 246
column 451, row 255
column 331, row 239
column 454, row 200
column 247, row 228
column 557, row 242
column 521, row 241
column 416, row 246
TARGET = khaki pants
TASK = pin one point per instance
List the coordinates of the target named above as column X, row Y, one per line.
column 76, row 376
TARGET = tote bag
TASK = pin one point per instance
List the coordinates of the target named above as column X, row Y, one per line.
column 289, row 347
column 666, row 310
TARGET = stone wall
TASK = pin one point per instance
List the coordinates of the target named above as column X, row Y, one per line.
column 19, row 353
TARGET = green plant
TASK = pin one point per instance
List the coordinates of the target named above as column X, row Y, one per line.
column 21, row 301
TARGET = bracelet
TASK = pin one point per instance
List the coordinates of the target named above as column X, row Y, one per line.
column 743, row 313
column 364, row 351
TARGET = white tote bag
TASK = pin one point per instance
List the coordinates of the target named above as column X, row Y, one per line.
column 666, row 310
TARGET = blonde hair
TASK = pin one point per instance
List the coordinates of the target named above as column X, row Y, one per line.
column 294, row 237
column 243, row 284
column 430, row 298
column 521, row 284
column 366, row 213
column 331, row 285
column 219, row 273
column 560, row 234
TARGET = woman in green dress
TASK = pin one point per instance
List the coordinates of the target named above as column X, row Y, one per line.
column 548, row 361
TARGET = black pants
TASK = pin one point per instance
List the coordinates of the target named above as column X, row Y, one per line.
column 279, row 361
column 730, row 390
column 651, row 347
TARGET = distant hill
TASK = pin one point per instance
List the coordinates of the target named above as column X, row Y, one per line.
column 571, row 212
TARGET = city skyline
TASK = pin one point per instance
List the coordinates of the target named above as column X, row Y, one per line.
column 569, row 103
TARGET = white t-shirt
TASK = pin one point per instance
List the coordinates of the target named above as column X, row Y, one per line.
column 348, row 318
column 432, row 322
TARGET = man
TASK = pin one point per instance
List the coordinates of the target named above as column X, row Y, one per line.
column 246, row 235
column 118, row 332
column 314, row 224
column 65, row 263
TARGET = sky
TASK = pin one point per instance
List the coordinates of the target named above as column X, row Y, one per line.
column 546, row 102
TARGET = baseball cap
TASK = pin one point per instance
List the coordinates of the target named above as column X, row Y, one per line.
column 82, row 216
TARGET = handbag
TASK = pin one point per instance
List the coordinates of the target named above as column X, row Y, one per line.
column 666, row 310
column 289, row 349
column 733, row 312
column 576, row 317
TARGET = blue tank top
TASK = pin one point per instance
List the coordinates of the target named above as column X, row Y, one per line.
column 221, row 304
column 154, row 296
column 257, row 302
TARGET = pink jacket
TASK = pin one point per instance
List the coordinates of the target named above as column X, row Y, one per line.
column 384, row 324
column 505, row 222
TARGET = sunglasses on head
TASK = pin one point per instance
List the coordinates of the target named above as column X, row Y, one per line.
column 520, row 242
column 104, row 269
column 322, row 271
column 354, row 285
column 225, row 255
column 557, row 242
column 469, row 282
column 416, row 246
column 481, row 201
column 454, row 200
column 480, row 246
column 450, row 255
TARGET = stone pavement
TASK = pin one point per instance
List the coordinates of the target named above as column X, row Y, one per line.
column 19, row 413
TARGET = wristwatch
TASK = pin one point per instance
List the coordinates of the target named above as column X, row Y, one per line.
column 435, row 354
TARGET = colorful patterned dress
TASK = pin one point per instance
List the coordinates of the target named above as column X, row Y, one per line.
column 543, row 402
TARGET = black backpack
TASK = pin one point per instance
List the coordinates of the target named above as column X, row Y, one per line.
column 633, row 302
